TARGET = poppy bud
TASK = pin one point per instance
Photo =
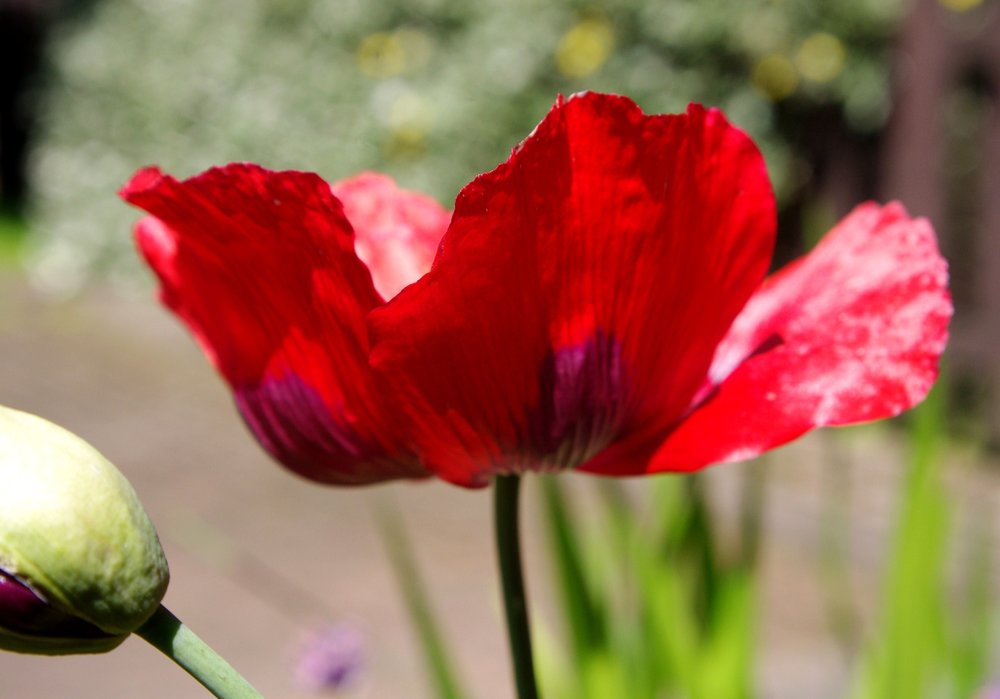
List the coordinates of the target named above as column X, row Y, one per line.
column 80, row 564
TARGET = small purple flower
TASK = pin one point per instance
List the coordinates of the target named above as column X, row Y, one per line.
column 331, row 659
column 990, row 691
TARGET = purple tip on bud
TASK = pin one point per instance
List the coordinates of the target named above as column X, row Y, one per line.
column 24, row 612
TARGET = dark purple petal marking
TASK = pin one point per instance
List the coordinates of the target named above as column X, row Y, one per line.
column 295, row 425
column 583, row 401
column 291, row 420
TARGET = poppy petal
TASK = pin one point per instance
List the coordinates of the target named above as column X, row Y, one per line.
column 852, row 332
column 580, row 290
column 396, row 232
column 261, row 267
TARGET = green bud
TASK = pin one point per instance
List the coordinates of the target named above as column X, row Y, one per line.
column 74, row 534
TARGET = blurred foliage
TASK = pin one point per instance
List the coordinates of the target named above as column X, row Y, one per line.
column 430, row 91
column 930, row 641
column 12, row 231
column 656, row 590
column 653, row 602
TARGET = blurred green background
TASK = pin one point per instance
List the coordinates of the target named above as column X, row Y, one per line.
column 430, row 91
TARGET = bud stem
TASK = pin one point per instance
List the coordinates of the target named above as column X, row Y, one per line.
column 170, row 636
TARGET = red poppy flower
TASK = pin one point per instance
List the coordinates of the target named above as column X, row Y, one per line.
column 597, row 302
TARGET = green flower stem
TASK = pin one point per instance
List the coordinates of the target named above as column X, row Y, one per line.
column 171, row 637
column 515, row 602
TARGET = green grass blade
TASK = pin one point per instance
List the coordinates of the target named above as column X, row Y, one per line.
column 438, row 660
column 581, row 610
column 907, row 657
column 726, row 659
column 972, row 634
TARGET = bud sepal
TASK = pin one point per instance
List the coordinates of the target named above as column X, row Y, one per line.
column 81, row 566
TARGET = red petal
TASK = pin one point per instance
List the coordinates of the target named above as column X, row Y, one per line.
column 580, row 290
column 261, row 267
column 396, row 231
column 852, row 332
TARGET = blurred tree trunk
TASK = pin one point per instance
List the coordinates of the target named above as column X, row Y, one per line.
column 23, row 25
column 942, row 160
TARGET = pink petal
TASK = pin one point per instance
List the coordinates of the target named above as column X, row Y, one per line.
column 396, row 232
column 852, row 332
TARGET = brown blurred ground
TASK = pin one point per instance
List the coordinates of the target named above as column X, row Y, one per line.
column 260, row 557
